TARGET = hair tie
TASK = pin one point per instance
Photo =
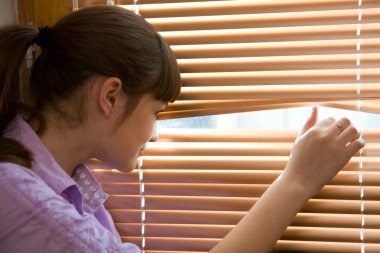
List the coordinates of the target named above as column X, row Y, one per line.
column 43, row 39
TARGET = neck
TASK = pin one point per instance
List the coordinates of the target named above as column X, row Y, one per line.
column 68, row 145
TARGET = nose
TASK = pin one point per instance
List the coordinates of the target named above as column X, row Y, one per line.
column 154, row 135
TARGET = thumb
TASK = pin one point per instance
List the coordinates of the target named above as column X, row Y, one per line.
column 311, row 121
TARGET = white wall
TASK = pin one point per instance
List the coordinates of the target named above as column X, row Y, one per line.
column 7, row 12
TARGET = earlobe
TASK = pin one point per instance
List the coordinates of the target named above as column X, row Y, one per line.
column 109, row 95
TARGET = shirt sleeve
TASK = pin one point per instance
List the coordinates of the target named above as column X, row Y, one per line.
column 34, row 218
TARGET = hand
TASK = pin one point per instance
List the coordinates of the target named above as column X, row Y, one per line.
column 320, row 151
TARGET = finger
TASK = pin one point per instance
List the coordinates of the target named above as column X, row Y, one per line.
column 354, row 147
column 341, row 125
column 349, row 134
column 311, row 121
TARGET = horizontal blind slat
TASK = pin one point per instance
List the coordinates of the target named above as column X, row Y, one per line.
column 233, row 149
column 234, row 204
column 273, row 63
column 224, row 177
column 219, row 231
column 299, row 33
column 283, row 91
column 282, row 19
column 241, row 163
column 325, row 247
column 232, row 190
column 232, row 218
column 202, row 244
column 324, row 76
column 302, row 100
column 317, row 47
column 183, row 9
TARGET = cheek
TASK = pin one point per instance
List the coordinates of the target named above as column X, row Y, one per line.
column 147, row 130
column 129, row 141
column 124, row 154
column 137, row 137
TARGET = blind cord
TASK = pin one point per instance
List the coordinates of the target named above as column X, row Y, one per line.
column 111, row 2
column 136, row 7
column 359, row 106
column 75, row 5
column 142, row 202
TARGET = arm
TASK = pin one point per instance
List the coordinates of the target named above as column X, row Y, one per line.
column 319, row 153
column 259, row 230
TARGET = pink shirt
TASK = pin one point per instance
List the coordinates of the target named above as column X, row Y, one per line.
column 45, row 210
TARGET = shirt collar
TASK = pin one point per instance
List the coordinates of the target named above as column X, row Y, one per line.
column 93, row 194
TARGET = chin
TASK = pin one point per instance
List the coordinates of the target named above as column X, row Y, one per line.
column 129, row 167
column 124, row 166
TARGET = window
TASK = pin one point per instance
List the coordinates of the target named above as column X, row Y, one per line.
column 238, row 57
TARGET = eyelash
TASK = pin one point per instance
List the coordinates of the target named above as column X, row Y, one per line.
column 159, row 112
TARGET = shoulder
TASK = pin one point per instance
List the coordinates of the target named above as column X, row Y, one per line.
column 13, row 171
column 33, row 212
column 19, row 182
column 22, row 194
column 22, row 184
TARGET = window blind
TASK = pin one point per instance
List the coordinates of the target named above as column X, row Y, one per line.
column 238, row 56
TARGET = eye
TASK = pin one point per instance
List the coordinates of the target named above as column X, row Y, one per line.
column 160, row 111
column 161, row 108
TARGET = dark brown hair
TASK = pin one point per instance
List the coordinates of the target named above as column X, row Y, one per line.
column 96, row 41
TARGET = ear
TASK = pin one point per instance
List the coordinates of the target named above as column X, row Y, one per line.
column 110, row 95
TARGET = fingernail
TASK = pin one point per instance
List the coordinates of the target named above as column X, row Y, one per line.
column 361, row 141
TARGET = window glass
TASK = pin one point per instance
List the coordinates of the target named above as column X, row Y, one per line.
column 279, row 119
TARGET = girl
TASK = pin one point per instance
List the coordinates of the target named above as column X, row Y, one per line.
column 94, row 92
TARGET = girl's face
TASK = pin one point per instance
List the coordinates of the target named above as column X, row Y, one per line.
column 127, row 142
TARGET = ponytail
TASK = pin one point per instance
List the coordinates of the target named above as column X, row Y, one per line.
column 14, row 42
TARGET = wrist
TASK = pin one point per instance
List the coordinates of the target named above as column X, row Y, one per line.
column 294, row 187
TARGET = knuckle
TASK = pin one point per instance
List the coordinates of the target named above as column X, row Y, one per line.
column 356, row 146
column 354, row 131
column 330, row 120
column 345, row 121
